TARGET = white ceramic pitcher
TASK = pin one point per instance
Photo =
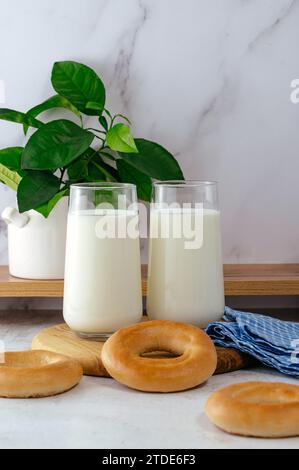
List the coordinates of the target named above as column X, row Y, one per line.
column 36, row 245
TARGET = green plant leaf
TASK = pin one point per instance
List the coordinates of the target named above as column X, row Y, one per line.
column 11, row 157
column 21, row 118
column 154, row 160
column 55, row 101
column 111, row 172
column 79, row 84
column 100, row 171
column 45, row 209
column 95, row 172
column 22, row 172
column 35, row 189
column 119, row 138
column 78, row 170
column 55, row 145
column 129, row 174
column 103, row 122
column 9, row 178
column 108, row 113
column 95, row 107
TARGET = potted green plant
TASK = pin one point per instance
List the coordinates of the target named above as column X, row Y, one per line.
column 66, row 151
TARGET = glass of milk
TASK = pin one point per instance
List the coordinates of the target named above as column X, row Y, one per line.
column 102, row 286
column 185, row 277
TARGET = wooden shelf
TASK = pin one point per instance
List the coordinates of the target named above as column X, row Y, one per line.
column 261, row 279
column 239, row 279
column 16, row 287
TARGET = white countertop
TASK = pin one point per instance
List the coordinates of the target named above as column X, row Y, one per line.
column 100, row 413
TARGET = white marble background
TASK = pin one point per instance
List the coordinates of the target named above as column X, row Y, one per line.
column 209, row 79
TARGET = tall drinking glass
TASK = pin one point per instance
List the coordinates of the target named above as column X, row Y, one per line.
column 102, row 287
column 185, row 279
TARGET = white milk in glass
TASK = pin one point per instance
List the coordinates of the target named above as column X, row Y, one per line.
column 185, row 284
column 102, row 290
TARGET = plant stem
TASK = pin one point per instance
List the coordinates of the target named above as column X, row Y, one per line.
column 110, row 117
column 107, row 155
column 62, row 174
column 95, row 130
column 97, row 137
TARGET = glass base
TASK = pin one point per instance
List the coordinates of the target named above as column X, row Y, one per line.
column 94, row 336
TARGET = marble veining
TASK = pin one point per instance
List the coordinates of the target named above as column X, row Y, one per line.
column 210, row 80
column 125, row 56
column 285, row 11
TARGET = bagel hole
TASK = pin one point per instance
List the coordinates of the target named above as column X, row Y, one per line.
column 159, row 354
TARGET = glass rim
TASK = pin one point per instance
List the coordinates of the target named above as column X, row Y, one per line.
column 103, row 185
column 185, row 183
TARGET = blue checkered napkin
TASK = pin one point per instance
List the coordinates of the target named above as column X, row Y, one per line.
column 273, row 342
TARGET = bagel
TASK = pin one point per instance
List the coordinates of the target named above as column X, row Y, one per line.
column 195, row 360
column 38, row 373
column 260, row 409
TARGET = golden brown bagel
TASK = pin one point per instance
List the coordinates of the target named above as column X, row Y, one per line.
column 195, row 362
column 261, row 409
column 38, row 373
